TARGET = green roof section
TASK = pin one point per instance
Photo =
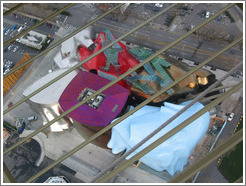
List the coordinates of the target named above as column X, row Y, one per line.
column 161, row 61
column 112, row 52
column 141, row 54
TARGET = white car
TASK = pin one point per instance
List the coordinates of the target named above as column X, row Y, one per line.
column 32, row 118
column 159, row 5
column 15, row 48
column 10, row 47
column 6, row 33
column 230, row 117
column 207, row 14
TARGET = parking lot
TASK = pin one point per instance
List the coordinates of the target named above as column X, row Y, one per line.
column 13, row 26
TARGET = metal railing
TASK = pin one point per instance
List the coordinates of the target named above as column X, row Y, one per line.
column 118, row 79
column 13, row 9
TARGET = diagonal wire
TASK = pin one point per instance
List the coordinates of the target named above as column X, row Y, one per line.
column 113, row 82
column 12, row 9
column 170, row 133
column 38, row 24
column 62, row 40
column 87, row 59
column 239, row 180
column 136, row 108
column 76, row 106
column 7, row 174
column 200, row 96
column 131, row 70
column 124, row 116
column 89, row 98
column 209, row 158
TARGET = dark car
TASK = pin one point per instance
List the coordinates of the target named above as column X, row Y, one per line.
column 14, row 27
column 219, row 18
column 22, row 127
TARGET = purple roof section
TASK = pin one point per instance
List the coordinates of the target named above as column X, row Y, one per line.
column 113, row 103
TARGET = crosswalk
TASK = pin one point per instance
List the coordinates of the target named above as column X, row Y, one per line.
column 90, row 6
column 70, row 27
column 65, row 30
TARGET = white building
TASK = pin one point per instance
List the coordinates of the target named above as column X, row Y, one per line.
column 33, row 39
column 46, row 102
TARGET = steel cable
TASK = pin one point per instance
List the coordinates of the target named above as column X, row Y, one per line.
column 87, row 59
column 98, row 93
column 12, row 9
column 115, row 81
column 169, row 134
column 129, row 71
column 38, row 24
column 62, row 40
column 200, row 96
column 209, row 158
column 121, row 118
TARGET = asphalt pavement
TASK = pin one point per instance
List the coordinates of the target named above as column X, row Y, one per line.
column 8, row 22
column 156, row 38
column 147, row 36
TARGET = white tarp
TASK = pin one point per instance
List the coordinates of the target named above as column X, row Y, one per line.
column 171, row 155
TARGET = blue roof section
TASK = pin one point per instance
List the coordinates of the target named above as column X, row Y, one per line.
column 172, row 155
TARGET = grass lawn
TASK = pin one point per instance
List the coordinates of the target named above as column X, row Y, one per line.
column 232, row 164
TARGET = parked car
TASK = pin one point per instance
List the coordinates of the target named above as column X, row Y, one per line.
column 219, row 18
column 22, row 127
column 15, row 48
column 207, row 14
column 21, row 27
column 32, row 118
column 230, row 117
column 14, row 27
column 10, row 47
column 7, row 31
column 6, row 71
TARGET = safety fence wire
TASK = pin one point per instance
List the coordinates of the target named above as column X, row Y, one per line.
column 138, row 107
column 38, row 24
column 12, row 9
column 209, row 158
column 239, row 180
column 128, row 114
column 7, row 174
column 64, row 39
column 92, row 56
column 200, row 96
column 170, row 46
column 115, row 81
column 169, row 134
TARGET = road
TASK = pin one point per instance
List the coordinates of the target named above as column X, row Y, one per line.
column 237, row 13
column 148, row 37
column 185, row 49
column 211, row 174
column 191, row 48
